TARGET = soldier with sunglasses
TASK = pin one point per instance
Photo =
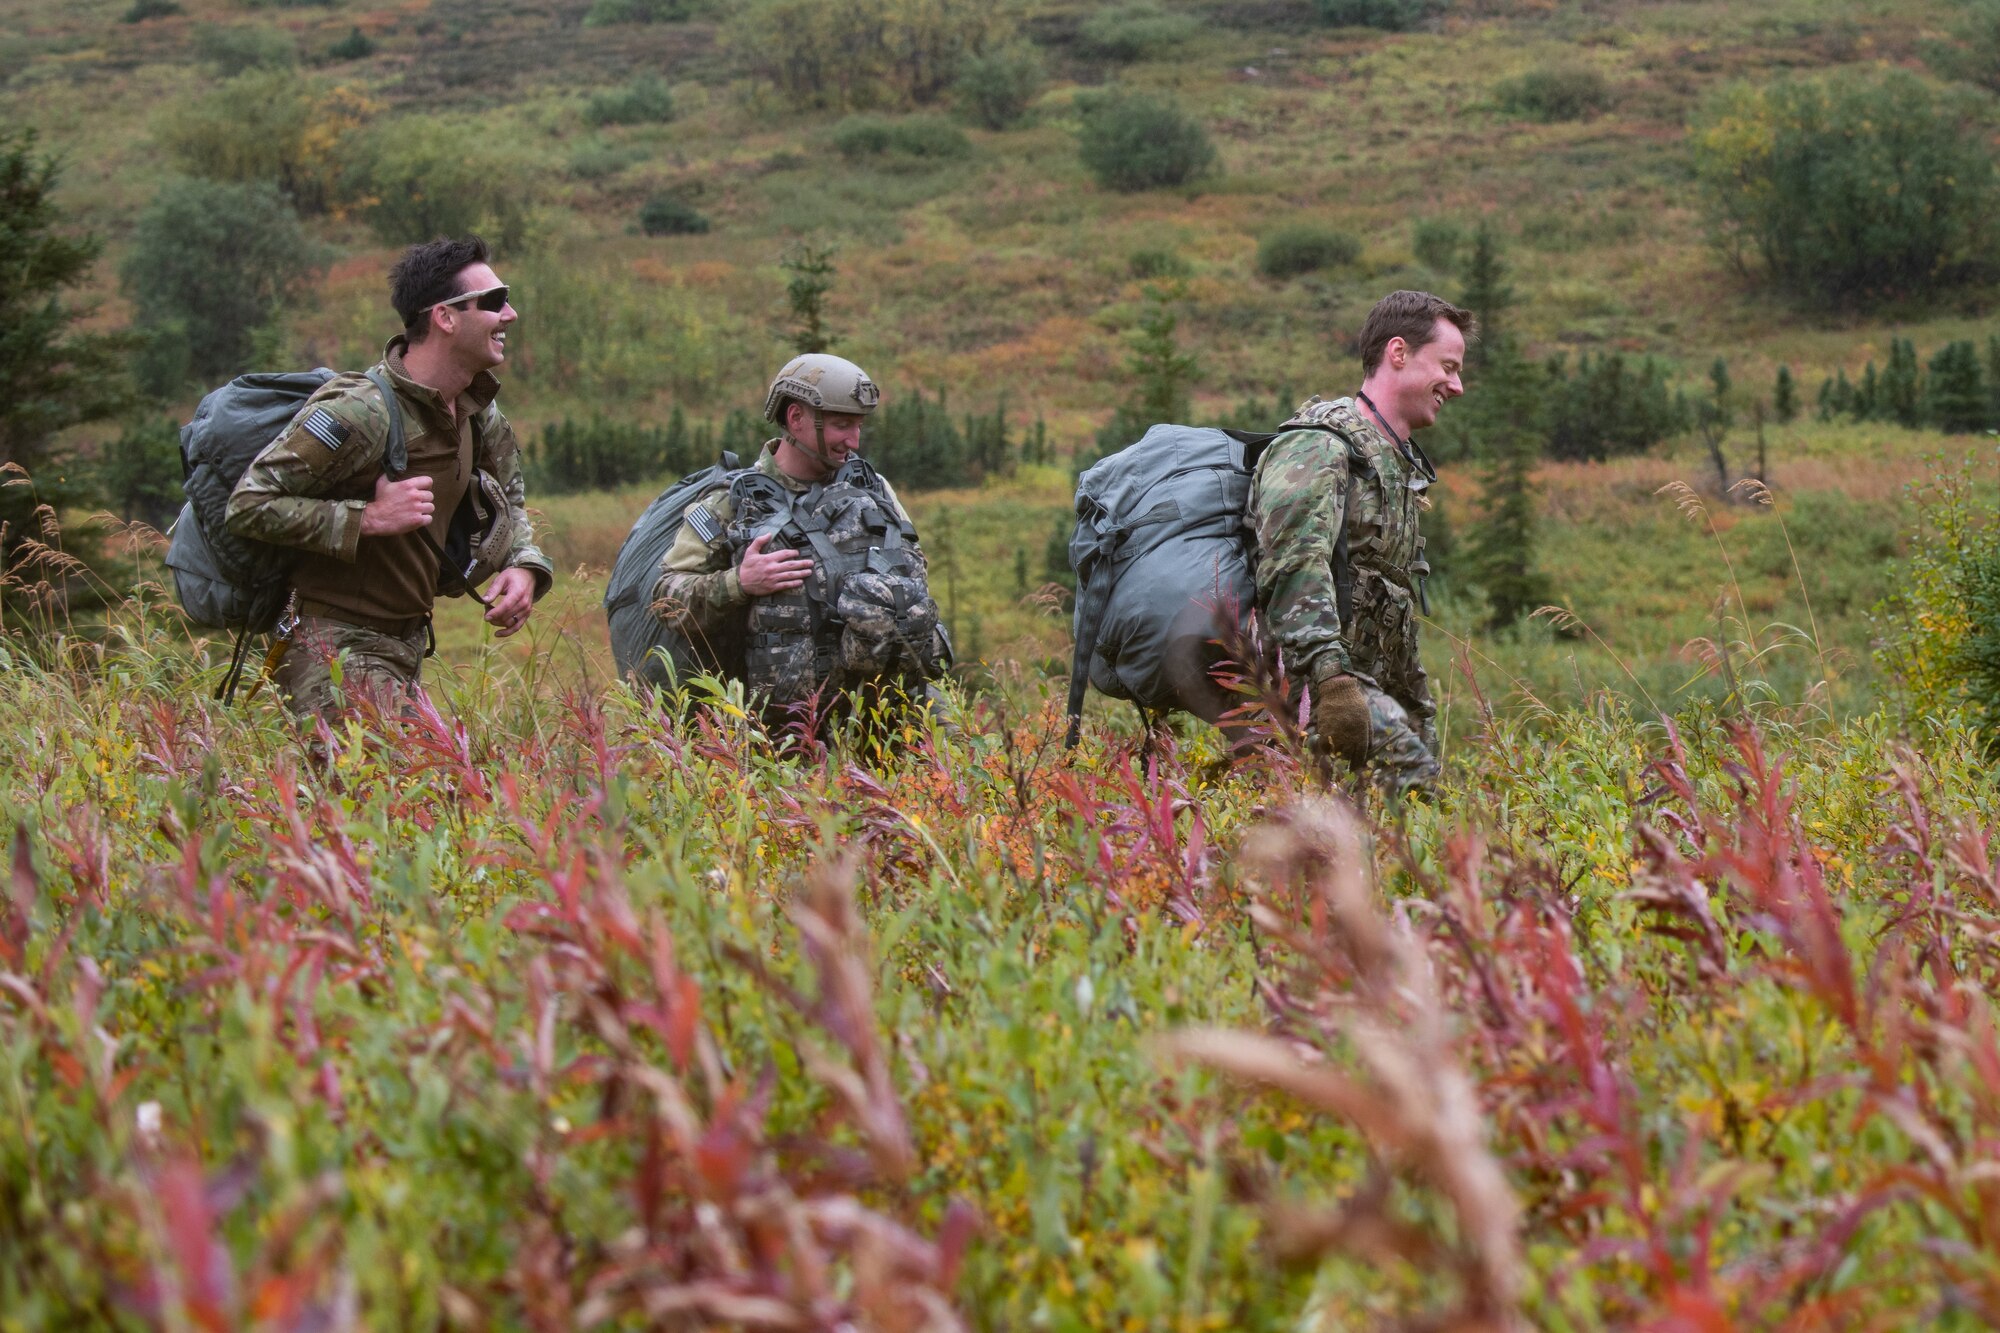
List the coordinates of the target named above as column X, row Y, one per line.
column 372, row 544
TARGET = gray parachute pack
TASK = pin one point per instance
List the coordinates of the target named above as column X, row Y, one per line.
column 641, row 644
column 1164, row 563
column 224, row 581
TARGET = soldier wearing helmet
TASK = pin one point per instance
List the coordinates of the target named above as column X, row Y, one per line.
column 705, row 589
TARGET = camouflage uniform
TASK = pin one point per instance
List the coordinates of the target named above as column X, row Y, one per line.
column 307, row 490
column 698, row 590
column 1308, row 485
column 379, row 667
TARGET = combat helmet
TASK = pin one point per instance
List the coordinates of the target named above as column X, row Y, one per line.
column 823, row 382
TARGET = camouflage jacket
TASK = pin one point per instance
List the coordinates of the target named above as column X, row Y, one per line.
column 698, row 587
column 1308, row 485
column 308, row 487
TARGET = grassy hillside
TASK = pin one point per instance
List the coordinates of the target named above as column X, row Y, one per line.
column 1007, row 275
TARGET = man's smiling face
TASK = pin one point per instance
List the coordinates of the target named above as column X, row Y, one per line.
column 1428, row 377
column 480, row 336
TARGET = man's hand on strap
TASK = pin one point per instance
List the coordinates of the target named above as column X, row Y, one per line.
column 398, row 507
column 765, row 572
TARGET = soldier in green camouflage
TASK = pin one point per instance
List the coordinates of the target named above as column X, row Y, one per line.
column 819, row 402
column 1353, row 639
column 366, row 576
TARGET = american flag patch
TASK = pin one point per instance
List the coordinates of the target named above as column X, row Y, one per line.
column 325, row 427
column 704, row 525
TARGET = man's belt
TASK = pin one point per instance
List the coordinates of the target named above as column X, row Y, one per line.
column 395, row 629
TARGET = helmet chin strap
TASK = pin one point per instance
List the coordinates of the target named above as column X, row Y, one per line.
column 817, row 449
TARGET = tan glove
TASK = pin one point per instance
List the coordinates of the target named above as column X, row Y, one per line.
column 1340, row 718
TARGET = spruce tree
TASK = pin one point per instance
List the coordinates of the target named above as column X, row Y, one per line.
column 51, row 376
column 1993, row 373
column 1713, row 416
column 1487, row 293
column 1868, row 395
column 1160, row 372
column 811, row 269
column 1902, row 397
column 1500, row 549
column 1956, row 400
column 1784, row 396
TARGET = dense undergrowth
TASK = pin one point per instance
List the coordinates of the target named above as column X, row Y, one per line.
column 561, row 1009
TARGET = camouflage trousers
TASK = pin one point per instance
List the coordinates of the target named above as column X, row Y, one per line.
column 382, row 668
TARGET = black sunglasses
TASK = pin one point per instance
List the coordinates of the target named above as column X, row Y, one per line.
column 491, row 299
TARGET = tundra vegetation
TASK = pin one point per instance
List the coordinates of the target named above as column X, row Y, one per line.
column 556, row 1005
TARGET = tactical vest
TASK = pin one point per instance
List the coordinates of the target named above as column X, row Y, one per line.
column 864, row 614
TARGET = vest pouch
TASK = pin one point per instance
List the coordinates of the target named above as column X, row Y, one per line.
column 889, row 628
column 778, row 650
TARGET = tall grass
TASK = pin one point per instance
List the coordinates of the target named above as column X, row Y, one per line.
column 545, row 1005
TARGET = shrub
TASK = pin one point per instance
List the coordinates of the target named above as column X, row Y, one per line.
column 857, row 54
column 600, row 455
column 231, row 50
column 1955, row 399
column 1551, row 94
column 1436, row 243
column 1304, row 247
column 1938, row 630
column 671, row 215
column 1608, row 406
column 644, row 101
column 1973, row 54
column 1137, row 141
column 355, row 46
column 917, row 139
column 603, row 12
column 1846, row 188
column 1388, row 15
column 1147, row 265
column 915, row 442
column 1135, row 31
column 270, row 125
column 994, row 90
column 211, row 265
column 436, row 178
column 142, row 10
column 596, row 159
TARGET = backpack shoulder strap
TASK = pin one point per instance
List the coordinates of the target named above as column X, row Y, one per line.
column 395, row 453
column 1343, row 567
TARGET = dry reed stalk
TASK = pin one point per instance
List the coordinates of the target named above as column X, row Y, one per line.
column 1365, row 984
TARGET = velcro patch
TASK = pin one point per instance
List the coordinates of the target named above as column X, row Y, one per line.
column 327, row 428
column 704, row 525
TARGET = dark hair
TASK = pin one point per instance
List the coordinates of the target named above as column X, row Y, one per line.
column 1413, row 317
column 427, row 275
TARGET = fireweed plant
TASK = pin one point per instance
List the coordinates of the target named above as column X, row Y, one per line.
column 548, row 1007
